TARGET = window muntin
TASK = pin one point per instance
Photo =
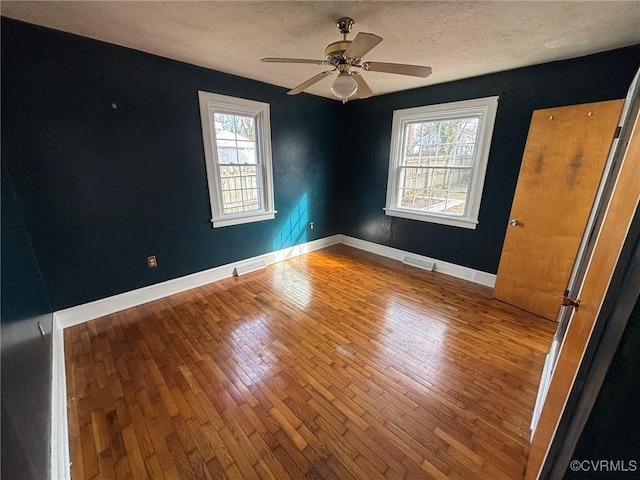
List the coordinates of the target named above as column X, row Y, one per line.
column 438, row 161
column 237, row 144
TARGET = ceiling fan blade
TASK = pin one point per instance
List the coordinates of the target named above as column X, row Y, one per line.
column 363, row 88
column 306, row 84
column 362, row 44
column 293, row 60
column 401, row 68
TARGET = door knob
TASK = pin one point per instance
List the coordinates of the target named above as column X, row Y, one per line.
column 569, row 302
column 514, row 222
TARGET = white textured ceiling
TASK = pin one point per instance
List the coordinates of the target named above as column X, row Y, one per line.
column 457, row 39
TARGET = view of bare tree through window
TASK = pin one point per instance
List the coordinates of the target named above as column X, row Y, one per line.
column 237, row 162
column 437, row 164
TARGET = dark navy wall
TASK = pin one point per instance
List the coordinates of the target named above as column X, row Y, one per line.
column 104, row 188
column 25, row 353
column 367, row 139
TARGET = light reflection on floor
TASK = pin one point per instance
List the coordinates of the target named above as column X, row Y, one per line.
column 293, row 284
column 425, row 351
column 253, row 336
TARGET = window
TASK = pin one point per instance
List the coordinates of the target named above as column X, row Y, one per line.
column 438, row 161
column 237, row 147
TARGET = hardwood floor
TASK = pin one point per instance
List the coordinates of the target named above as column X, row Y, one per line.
column 337, row 365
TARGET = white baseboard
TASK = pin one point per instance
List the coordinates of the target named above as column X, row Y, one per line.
column 60, row 469
column 60, row 466
column 106, row 306
column 466, row 273
column 116, row 303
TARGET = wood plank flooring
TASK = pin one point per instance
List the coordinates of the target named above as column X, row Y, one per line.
column 334, row 365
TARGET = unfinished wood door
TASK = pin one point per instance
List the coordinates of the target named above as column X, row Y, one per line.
column 617, row 219
column 563, row 161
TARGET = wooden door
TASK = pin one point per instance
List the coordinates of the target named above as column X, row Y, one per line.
column 617, row 219
column 563, row 161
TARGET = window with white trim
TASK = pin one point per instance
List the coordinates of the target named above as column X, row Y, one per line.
column 237, row 146
column 438, row 161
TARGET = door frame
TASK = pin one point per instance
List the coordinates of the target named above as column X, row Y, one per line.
column 618, row 302
column 594, row 222
column 618, row 305
column 612, row 167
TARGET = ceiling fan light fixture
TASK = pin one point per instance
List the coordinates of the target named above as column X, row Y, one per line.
column 344, row 86
column 345, row 54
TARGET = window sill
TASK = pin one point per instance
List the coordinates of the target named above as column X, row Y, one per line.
column 229, row 220
column 429, row 217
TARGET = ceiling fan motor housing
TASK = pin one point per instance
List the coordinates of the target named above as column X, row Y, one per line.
column 336, row 50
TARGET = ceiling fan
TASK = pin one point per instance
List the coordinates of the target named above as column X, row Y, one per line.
column 344, row 55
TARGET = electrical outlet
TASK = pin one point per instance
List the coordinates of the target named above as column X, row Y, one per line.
column 311, row 226
column 152, row 262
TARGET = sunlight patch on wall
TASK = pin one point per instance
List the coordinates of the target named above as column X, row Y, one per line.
column 294, row 228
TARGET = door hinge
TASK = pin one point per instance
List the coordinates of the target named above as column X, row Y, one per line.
column 617, row 134
column 569, row 302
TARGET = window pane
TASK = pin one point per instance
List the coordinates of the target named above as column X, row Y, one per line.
column 438, row 146
column 239, row 126
column 250, row 199
column 249, row 182
column 240, row 192
column 227, row 154
column 235, row 138
column 435, row 190
column 440, row 143
column 247, row 152
column 245, row 127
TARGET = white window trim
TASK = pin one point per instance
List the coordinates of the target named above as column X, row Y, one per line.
column 486, row 108
column 237, row 106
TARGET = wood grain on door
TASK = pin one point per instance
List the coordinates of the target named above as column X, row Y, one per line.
column 564, row 158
